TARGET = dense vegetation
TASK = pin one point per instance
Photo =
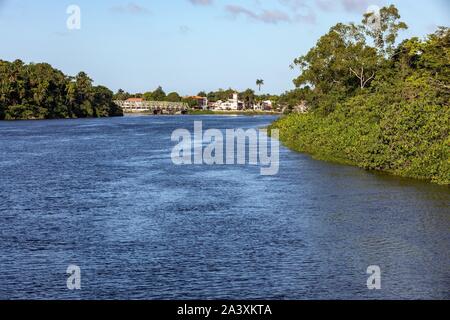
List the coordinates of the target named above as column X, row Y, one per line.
column 157, row 95
column 248, row 96
column 38, row 91
column 229, row 112
column 374, row 104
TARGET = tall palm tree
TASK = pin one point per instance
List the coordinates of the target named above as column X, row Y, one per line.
column 259, row 83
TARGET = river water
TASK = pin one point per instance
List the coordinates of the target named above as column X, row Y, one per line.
column 104, row 195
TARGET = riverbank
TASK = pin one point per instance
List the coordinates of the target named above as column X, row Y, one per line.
column 395, row 119
column 241, row 113
column 210, row 112
column 33, row 118
column 385, row 145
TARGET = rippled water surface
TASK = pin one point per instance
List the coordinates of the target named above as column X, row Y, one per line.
column 103, row 194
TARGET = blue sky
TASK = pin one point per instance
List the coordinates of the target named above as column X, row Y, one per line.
column 187, row 45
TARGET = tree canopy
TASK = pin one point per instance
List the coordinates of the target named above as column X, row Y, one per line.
column 38, row 91
column 349, row 57
column 375, row 103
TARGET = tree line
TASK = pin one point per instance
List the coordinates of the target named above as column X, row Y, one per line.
column 248, row 96
column 39, row 91
column 375, row 103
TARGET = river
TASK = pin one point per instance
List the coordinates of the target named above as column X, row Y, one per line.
column 104, row 195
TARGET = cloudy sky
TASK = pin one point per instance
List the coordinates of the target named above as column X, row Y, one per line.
column 187, row 45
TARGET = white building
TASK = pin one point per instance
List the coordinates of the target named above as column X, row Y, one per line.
column 230, row 104
column 215, row 105
column 265, row 105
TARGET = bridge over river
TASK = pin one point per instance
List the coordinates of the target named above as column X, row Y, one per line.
column 135, row 105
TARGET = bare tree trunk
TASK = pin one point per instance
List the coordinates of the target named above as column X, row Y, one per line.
column 362, row 79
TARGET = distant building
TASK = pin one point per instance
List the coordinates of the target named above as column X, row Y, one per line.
column 202, row 102
column 231, row 104
column 265, row 105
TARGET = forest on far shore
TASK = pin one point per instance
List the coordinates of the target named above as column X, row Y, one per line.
column 38, row 91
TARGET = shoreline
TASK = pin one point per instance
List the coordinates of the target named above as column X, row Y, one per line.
column 289, row 137
column 209, row 112
column 53, row 119
column 137, row 114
